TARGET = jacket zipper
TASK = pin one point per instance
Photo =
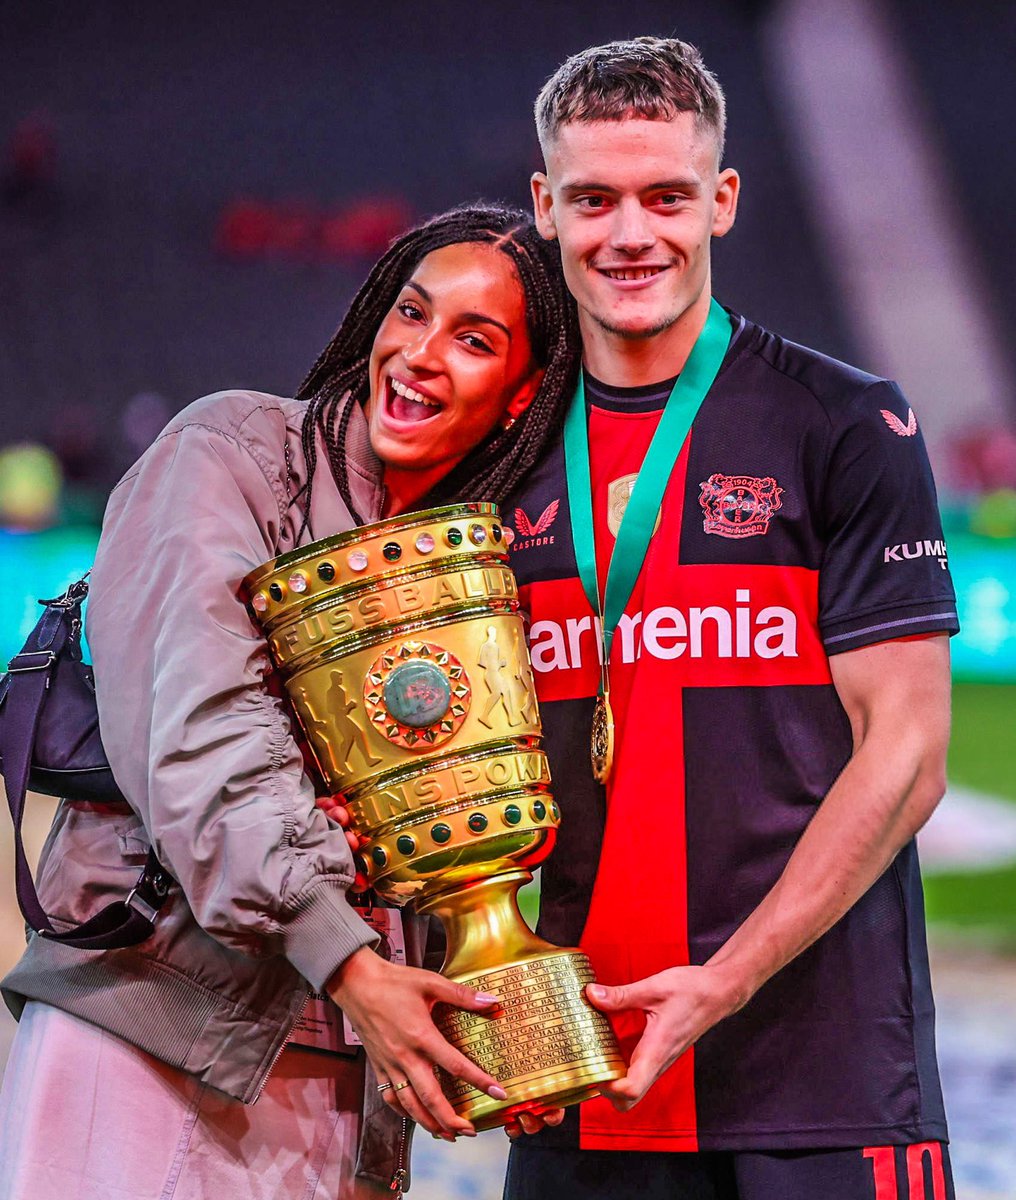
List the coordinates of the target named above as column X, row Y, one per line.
column 399, row 1175
column 278, row 1053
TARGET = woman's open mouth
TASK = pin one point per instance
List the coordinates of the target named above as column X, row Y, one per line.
column 405, row 403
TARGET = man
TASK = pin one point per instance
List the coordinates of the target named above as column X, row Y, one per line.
column 746, row 881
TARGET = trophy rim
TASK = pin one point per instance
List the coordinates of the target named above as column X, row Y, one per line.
column 340, row 541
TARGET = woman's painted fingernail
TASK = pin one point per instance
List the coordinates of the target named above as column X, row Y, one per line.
column 485, row 998
column 497, row 1092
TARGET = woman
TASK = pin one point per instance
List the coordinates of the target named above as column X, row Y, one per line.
column 135, row 1072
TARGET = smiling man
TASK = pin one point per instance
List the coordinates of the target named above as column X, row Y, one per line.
column 764, row 692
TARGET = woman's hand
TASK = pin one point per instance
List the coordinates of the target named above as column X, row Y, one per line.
column 334, row 808
column 390, row 1007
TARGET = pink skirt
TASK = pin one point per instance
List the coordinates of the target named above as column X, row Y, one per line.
column 86, row 1116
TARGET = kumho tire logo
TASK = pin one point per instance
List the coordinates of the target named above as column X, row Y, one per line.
column 926, row 549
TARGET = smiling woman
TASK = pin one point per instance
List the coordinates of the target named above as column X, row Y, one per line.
column 462, row 349
column 134, row 1071
column 451, row 361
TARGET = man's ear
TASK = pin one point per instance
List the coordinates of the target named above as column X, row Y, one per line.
column 543, row 206
column 728, row 189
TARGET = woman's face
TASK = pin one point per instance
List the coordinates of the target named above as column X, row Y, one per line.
column 451, row 360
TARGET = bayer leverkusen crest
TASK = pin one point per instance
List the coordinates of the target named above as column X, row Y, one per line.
column 737, row 506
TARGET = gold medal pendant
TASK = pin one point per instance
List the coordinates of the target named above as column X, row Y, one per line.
column 601, row 746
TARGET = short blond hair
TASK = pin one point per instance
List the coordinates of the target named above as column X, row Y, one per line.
column 650, row 77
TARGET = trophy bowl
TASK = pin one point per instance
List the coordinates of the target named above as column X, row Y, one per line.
column 403, row 653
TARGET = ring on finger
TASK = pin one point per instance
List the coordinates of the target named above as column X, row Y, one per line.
column 399, row 1086
column 383, row 1087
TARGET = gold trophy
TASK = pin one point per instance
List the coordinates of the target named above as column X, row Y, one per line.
column 403, row 652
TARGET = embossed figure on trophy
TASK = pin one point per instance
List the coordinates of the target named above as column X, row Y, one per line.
column 522, row 673
column 351, row 733
column 498, row 683
column 317, row 730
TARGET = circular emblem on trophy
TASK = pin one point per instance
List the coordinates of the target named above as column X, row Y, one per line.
column 417, row 694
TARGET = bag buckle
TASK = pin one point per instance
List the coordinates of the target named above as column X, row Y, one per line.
column 147, row 895
column 140, row 904
column 35, row 660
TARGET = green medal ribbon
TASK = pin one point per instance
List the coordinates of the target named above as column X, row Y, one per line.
column 639, row 519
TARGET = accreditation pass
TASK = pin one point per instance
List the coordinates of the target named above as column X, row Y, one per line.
column 323, row 1025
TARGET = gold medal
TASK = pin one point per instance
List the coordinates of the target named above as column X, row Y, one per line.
column 601, row 746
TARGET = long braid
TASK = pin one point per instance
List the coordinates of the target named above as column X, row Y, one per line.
column 492, row 469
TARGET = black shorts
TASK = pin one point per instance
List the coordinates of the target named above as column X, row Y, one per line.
column 917, row 1172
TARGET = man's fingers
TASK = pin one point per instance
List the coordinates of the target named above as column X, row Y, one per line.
column 530, row 1123
column 553, row 1116
column 617, row 999
column 651, row 1058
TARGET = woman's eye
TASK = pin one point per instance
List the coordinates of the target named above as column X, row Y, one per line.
column 411, row 311
column 475, row 342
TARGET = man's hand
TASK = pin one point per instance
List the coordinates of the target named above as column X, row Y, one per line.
column 680, row 1005
column 532, row 1122
column 896, row 695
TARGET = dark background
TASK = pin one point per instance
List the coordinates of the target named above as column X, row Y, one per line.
column 190, row 192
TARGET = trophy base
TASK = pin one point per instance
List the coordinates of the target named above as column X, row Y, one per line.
column 544, row 1043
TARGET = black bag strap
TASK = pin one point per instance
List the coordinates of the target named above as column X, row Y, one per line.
column 124, row 922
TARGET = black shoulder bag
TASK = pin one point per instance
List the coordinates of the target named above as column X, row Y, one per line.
column 49, row 742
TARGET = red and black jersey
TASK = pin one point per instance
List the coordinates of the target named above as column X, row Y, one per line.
column 800, row 521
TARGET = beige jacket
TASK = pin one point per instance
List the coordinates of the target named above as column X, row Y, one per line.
column 206, row 758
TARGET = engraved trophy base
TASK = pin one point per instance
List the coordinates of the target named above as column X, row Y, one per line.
column 544, row 1043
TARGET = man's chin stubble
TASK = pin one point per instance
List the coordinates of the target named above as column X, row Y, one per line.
column 637, row 335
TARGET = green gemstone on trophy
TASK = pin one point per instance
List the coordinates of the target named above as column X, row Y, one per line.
column 441, row 833
column 405, row 844
column 512, row 814
column 417, row 693
column 477, row 823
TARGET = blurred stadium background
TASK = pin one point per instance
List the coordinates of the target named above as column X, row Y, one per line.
column 189, row 195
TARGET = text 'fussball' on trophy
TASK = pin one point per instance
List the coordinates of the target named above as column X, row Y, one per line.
column 404, row 655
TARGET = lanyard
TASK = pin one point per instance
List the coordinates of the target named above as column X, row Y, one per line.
column 647, row 495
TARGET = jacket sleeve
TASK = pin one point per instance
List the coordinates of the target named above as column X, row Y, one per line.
column 198, row 745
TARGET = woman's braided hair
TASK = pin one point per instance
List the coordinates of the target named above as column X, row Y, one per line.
column 492, row 469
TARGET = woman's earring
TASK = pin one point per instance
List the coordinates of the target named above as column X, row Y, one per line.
column 507, row 422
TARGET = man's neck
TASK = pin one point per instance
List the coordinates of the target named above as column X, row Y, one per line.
column 632, row 362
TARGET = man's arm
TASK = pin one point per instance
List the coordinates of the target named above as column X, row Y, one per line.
column 896, row 695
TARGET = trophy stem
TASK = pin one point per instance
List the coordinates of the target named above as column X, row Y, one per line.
column 544, row 1042
column 483, row 924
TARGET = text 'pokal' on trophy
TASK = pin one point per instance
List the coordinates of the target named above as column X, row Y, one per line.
column 403, row 652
